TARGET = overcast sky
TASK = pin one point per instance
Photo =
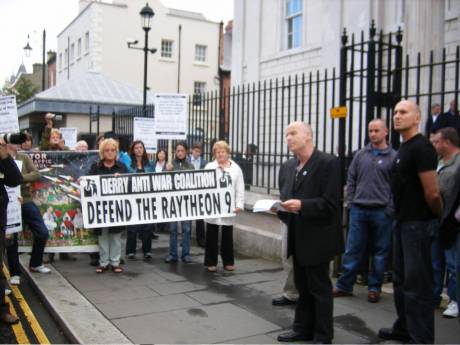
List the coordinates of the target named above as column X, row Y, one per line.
column 18, row 18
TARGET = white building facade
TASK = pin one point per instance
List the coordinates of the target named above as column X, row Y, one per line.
column 275, row 38
column 187, row 46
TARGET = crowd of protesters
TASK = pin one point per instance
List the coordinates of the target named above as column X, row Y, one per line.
column 403, row 204
column 120, row 157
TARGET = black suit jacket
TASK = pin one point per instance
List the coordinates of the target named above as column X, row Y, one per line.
column 12, row 178
column 315, row 233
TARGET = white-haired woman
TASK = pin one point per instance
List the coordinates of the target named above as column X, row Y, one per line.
column 229, row 170
column 109, row 238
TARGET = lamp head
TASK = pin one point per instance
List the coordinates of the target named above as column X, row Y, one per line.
column 146, row 16
column 27, row 48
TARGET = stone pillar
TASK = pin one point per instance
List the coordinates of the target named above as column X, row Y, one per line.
column 423, row 32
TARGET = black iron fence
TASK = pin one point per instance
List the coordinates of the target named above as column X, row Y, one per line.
column 374, row 75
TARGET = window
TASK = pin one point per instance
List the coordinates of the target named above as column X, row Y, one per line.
column 87, row 42
column 72, row 52
column 66, row 57
column 79, row 47
column 60, row 61
column 199, row 88
column 200, row 53
column 166, row 49
column 294, row 23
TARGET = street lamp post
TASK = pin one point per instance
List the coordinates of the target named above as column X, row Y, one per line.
column 146, row 17
column 28, row 49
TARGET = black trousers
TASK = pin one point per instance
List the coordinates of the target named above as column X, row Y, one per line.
column 226, row 245
column 145, row 232
column 36, row 256
column 200, row 231
column 3, row 305
column 413, row 281
column 313, row 313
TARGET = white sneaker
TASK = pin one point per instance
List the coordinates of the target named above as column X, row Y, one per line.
column 40, row 269
column 15, row 280
column 7, row 291
column 451, row 310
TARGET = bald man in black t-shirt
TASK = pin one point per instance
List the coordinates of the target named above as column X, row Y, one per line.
column 418, row 204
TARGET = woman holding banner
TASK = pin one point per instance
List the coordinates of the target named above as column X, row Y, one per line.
column 140, row 163
column 109, row 238
column 230, row 171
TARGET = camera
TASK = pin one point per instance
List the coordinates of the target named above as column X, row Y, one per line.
column 14, row 138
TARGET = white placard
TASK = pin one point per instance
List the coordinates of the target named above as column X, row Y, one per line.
column 9, row 122
column 144, row 129
column 70, row 137
column 171, row 116
column 155, row 197
column 13, row 213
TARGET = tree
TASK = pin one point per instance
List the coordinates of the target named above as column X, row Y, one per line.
column 23, row 90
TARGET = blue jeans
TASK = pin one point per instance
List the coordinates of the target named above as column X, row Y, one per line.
column 439, row 268
column 413, row 280
column 186, row 225
column 366, row 224
column 451, row 267
column 443, row 262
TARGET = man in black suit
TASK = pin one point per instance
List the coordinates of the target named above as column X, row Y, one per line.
column 450, row 118
column 311, row 187
column 433, row 122
column 9, row 176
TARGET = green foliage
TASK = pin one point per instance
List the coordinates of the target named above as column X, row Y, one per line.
column 25, row 89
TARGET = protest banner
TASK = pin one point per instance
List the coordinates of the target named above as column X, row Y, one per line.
column 171, row 116
column 144, row 129
column 13, row 211
column 55, row 196
column 9, row 122
column 155, row 198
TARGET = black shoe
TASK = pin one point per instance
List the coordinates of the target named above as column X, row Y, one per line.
column 201, row 243
column 293, row 336
column 390, row 334
column 280, row 301
column 155, row 237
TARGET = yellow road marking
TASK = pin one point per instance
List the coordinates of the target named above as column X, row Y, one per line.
column 19, row 332
column 36, row 328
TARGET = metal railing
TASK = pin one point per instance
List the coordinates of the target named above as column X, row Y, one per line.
column 255, row 115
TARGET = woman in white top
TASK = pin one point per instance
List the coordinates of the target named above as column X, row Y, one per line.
column 160, row 161
column 227, row 169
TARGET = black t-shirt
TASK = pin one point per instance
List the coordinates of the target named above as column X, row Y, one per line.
column 414, row 156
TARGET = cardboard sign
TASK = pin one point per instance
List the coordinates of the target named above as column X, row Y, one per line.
column 9, row 122
column 171, row 116
column 144, row 129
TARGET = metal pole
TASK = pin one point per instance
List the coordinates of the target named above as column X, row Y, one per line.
column 343, row 102
column 179, row 58
column 146, row 51
column 44, row 62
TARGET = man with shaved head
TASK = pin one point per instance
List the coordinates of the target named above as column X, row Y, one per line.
column 310, row 189
column 418, row 204
column 370, row 203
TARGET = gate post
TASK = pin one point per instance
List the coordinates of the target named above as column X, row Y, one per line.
column 343, row 102
column 370, row 80
column 397, row 84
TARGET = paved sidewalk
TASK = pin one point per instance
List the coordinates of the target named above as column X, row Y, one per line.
column 155, row 302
